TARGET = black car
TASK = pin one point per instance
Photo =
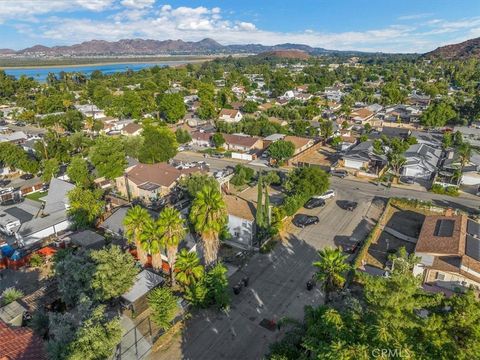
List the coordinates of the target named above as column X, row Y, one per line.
column 3, row 123
column 4, row 182
column 26, row 176
column 302, row 220
column 314, row 203
column 407, row 180
column 350, row 246
column 20, row 123
column 339, row 173
column 351, row 205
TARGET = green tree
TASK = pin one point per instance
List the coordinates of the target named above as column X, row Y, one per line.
column 438, row 115
column 78, row 172
column 152, row 242
column 114, row 273
column 207, row 110
column 172, row 107
column 464, row 153
column 173, row 232
column 196, row 182
column 250, row 107
column 208, row 216
column 217, row 286
column 132, row 145
column 108, row 157
column 159, row 144
column 259, row 215
column 85, row 206
column 326, row 129
column 134, row 223
column 281, row 150
column 242, row 175
column 331, row 268
column 189, row 268
column 182, row 136
column 307, row 182
column 218, row 140
column 164, row 307
column 50, row 169
column 10, row 295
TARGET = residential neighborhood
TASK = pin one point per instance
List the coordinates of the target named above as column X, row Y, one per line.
column 278, row 204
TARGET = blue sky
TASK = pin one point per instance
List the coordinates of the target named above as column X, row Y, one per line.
column 369, row 25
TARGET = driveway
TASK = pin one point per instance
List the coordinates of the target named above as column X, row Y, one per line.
column 276, row 290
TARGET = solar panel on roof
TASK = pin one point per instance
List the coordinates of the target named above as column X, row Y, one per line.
column 20, row 214
column 473, row 228
column 444, row 228
column 472, row 247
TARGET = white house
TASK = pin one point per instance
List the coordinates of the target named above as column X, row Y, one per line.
column 421, row 161
column 241, row 221
column 230, row 115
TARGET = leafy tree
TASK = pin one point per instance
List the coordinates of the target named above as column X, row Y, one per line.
column 196, row 182
column 331, row 268
column 207, row 110
column 250, row 107
column 164, row 307
column 208, row 216
column 132, row 145
column 217, row 286
column 189, row 268
column 307, row 182
column 78, row 172
column 438, row 115
column 182, row 136
column 85, row 206
column 135, row 223
column 10, row 295
column 172, row 107
column 242, row 175
column 50, row 169
column 114, row 273
column 464, row 153
column 159, row 144
column 281, row 150
column 218, row 140
column 326, row 129
column 108, row 157
column 16, row 158
column 173, row 231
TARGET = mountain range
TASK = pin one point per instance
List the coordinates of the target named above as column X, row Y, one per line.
column 463, row 50
column 142, row 47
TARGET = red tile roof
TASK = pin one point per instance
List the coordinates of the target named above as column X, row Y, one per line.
column 20, row 344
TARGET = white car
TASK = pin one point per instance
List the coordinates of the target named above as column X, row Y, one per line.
column 326, row 195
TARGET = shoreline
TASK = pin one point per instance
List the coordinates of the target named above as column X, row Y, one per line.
column 33, row 66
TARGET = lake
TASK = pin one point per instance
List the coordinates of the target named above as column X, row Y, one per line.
column 40, row 73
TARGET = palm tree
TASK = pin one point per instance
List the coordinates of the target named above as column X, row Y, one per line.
column 151, row 242
column 189, row 268
column 172, row 230
column 465, row 153
column 134, row 223
column 208, row 216
column 330, row 269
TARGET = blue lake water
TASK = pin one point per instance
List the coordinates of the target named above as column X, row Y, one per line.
column 40, row 73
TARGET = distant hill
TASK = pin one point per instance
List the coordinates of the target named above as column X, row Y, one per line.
column 463, row 50
column 141, row 47
column 285, row 54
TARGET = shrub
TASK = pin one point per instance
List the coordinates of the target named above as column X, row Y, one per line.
column 292, row 203
column 11, row 294
column 164, row 307
column 449, row 190
column 36, row 260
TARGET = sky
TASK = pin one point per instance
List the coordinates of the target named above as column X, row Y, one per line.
column 365, row 25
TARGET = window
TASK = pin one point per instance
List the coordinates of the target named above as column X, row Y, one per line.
column 440, row 276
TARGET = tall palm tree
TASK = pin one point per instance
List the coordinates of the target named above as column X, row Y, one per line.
column 208, row 216
column 135, row 221
column 465, row 153
column 172, row 229
column 331, row 269
column 151, row 242
column 189, row 268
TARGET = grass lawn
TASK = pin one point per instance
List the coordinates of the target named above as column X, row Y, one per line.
column 36, row 195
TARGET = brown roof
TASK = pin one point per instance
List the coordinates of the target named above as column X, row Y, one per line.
column 202, row 136
column 297, row 141
column 246, row 141
column 362, row 113
column 240, row 207
column 131, row 128
column 432, row 240
column 452, row 264
column 266, row 106
column 160, row 174
column 20, row 344
column 228, row 112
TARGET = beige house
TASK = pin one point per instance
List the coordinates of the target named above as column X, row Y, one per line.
column 242, row 143
column 301, row 144
column 132, row 129
column 449, row 248
column 230, row 115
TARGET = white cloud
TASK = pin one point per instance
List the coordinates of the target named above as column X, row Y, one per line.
column 148, row 19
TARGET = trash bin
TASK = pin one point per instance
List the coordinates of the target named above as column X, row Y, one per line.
column 236, row 289
column 245, row 281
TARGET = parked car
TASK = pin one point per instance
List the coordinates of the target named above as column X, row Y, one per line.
column 351, row 246
column 4, row 182
column 27, row 176
column 339, row 173
column 407, row 180
column 302, row 220
column 20, row 123
column 3, row 123
column 326, row 195
column 314, row 203
column 218, row 156
column 351, row 205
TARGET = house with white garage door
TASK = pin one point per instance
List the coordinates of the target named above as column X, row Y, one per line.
column 362, row 157
column 422, row 161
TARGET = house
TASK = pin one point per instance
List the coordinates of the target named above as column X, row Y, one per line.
column 20, row 343
column 135, row 299
column 15, row 137
column 90, row 110
column 419, row 100
column 201, row 138
column 271, row 139
column 230, row 115
column 241, row 221
column 150, row 182
column 449, row 251
column 470, row 134
column 361, row 115
column 363, row 157
column 421, row 161
column 242, row 142
column 87, row 239
column 301, row 144
column 131, row 129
